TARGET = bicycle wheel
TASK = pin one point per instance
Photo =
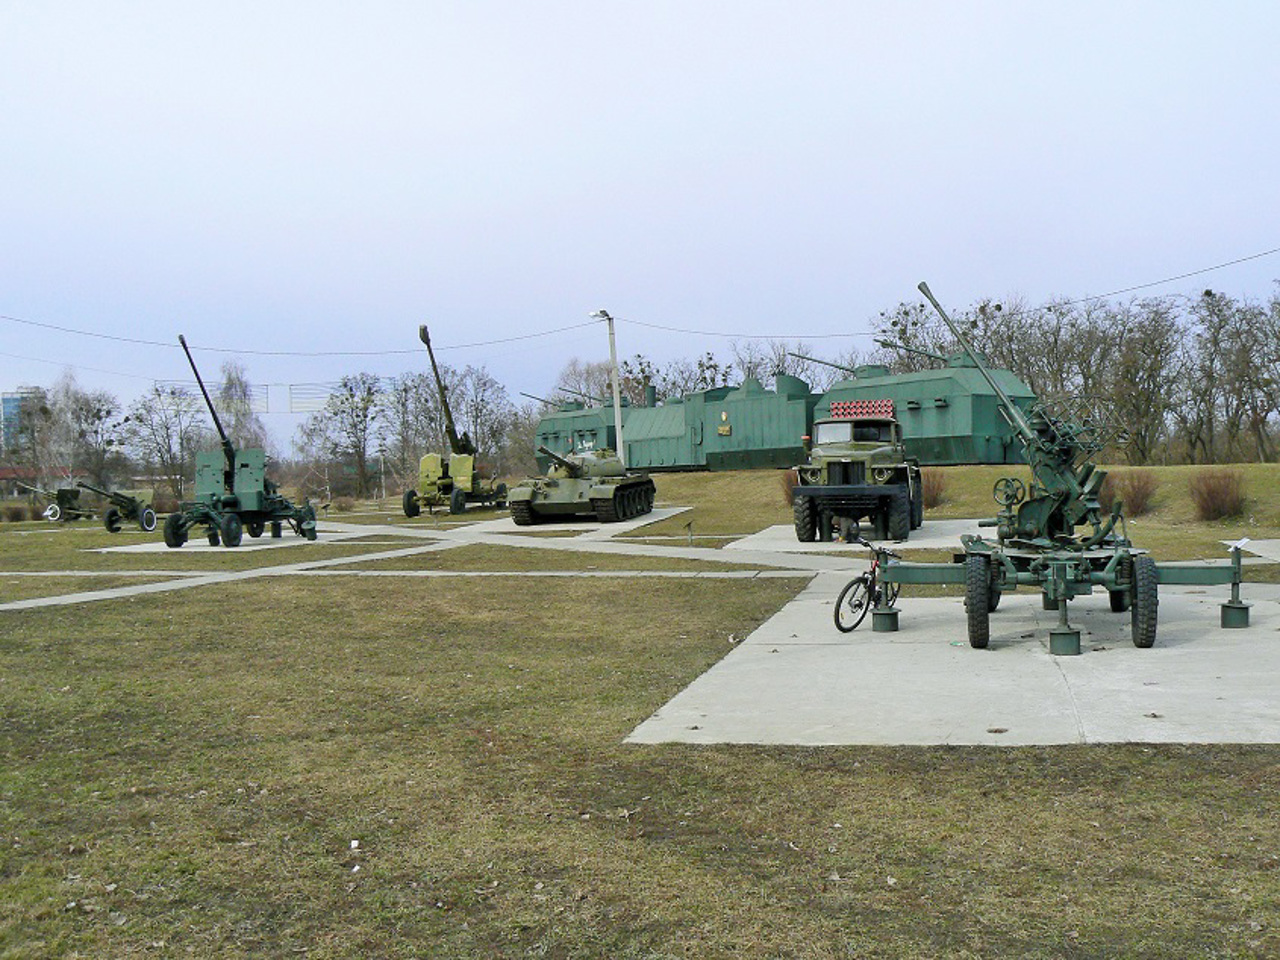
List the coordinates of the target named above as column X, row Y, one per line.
column 852, row 604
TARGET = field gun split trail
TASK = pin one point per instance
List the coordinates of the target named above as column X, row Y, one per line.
column 123, row 509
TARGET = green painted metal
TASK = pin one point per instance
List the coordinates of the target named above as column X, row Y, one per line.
column 593, row 483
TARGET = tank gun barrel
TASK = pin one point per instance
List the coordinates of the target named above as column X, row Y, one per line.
column 825, row 363
column 1016, row 418
column 894, row 345
column 585, row 396
column 573, row 468
column 456, row 443
column 228, row 450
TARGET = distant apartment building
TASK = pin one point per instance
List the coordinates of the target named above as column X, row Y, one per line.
column 10, row 408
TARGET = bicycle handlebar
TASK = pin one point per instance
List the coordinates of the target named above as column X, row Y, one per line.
column 863, row 541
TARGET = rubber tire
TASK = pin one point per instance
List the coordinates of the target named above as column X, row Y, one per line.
column 232, row 530
column 53, row 512
column 175, row 532
column 112, row 520
column 899, row 516
column 410, row 503
column 457, row 501
column 917, row 507
column 858, row 593
column 977, row 599
column 214, row 539
column 806, row 523
column 500, row 495
column 522, row 513
column 147, row 518
column 1145, row 606
column 1120, row 600
column 255, row 528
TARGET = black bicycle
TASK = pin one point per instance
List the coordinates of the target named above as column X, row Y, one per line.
column 865, row 591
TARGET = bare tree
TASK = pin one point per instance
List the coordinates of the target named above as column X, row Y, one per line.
column 345, row 428
column 235, row 403
column 165, row 429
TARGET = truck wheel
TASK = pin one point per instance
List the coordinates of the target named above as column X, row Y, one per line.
column 232, row 530
column 805, row 522
column 458, row 501
column 411, row 506
column 977, row 599
column 175, row 531
column 917, row 508
column 111, row 520
column 899, row 516
column 147, row 518
column 1145, row 601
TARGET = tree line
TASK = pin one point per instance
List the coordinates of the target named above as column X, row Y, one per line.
column 1190, row 379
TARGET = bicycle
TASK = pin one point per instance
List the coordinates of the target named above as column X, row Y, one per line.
column 865, row 591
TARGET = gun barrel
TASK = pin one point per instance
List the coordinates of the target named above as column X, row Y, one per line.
column 825, row 363
column 892, row 345
column 1016, row 418
column 92, row 489
column 227, row 448
column 557, row 458
column 455, row 442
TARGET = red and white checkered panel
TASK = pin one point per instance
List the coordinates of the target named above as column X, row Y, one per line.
column 861, row 409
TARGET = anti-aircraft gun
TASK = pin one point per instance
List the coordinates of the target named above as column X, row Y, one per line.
column 453, row 481
column 592, row 482
column 123, row 508
column 1037, row 543
column 233, row 494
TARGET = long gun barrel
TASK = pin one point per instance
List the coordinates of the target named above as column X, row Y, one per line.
column 573, row 468
column 98, row 490
column 893, row 345
column 825, row 363
column 228, row 450
column 455, row 442
column 1016, row 418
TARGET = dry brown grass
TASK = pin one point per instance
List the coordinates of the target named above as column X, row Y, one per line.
column 933, row 487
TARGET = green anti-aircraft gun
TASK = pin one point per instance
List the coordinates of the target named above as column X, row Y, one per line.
column 123, row 508
column 453, row 482
column 1037, row 543
column 233, row 495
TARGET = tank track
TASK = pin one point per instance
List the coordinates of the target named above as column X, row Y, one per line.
column 522, row 514
column 633, row 500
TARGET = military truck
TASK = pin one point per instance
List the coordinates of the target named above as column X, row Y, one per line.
column 857, row 469
column 593, row 482
column 451, row 482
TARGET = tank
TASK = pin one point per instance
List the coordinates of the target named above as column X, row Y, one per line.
column 591, row 483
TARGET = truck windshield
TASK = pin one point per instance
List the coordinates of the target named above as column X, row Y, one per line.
column 844, row 431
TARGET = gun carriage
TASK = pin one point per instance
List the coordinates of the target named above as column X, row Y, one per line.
column 233, row 495
column 451, row 482
column 1036, row 541
column 123, row 509
column 62, row 504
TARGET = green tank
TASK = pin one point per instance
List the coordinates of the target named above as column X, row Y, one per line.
column 590, row 483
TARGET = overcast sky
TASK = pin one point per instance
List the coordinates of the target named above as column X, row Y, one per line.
column 318, row 177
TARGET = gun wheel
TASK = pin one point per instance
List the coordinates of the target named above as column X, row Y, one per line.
column 977, row 599
column 255, row 528
column 147, row 518
column 410, row 503
column 1145, row 601
column 175, row 531
column 112, row 520
column 232, row 530
column 457, row 501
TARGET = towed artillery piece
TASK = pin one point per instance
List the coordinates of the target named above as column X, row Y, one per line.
column 62, row 504
column 123, row 508
column 451, row 482
column 1036, row 542
column 593, row 482
column 233, row 494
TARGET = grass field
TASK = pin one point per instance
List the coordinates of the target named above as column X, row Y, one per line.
column 359, row 767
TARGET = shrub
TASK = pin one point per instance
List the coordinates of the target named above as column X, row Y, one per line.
column 343, row 504
column 933, row 487
column 162, row 505
column 17, row 512
column 1135, row 488
column 1218, row 494
column 789, row 481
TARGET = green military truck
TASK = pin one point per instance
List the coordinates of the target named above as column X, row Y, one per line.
column 857, row 469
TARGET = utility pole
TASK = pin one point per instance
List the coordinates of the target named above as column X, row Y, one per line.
column 617, row 391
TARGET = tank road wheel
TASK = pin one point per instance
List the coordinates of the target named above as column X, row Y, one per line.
column 175, row 531
column 977, row 599
column 410, row 502
column 255, row 528
column 899, row 516
column 232, row 530
column 805, row 522
column 112, row 520
column 852, row 604
column 147, row 518
column 650, row 492
column 522, row 513
column 1145, row 601
column 458, row 501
